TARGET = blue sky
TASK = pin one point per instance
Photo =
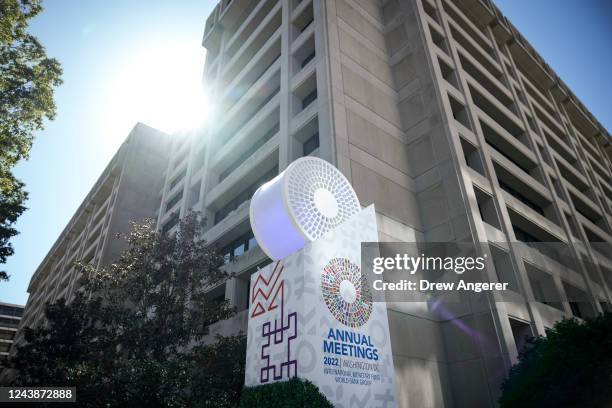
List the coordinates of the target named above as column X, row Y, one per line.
column 137, row 60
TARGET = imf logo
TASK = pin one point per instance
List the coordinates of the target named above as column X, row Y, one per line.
column 346, row 293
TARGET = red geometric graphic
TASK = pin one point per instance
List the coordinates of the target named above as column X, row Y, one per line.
column 266, row 291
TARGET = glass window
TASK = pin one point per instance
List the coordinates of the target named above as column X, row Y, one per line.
column 311, row 144
column 252, row 243
column 239, row 250
column 308, row 99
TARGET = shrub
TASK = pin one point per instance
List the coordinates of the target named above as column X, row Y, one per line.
column 570, row 367
column 287, row 394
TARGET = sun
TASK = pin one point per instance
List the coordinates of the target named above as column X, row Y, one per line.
column 160, row 85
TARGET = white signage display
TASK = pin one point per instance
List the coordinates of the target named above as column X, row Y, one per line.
column 311, row 315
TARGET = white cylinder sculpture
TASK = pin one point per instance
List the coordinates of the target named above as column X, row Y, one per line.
column 302, row 203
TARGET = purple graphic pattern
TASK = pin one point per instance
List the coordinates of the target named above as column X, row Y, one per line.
column 283, row 331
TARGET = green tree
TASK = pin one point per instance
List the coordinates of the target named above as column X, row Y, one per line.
column 570, row 367
column 27, row 81
column 138, row 332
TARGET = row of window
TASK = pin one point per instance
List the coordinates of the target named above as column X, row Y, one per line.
column 255, row 112
column 520, row 197
column 177, row 179
column 244, row 195
column 242, row 158
column 175, row 199
column 8, row 322
column 11, row 311
column 238, row 247
column 503, row 120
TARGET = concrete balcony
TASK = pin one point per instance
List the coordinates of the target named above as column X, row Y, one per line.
column 212, row 31
column 493, row 85
column 549, row 314
column 570, row 173
column 502, row 137
column 249, row 25
column 596, row 229
column 239, row 178
column 260, row 89
column 525, row 178
column 533, row 216
column 260, row 39
column 469, row 45
column 495, row 109
column 265, row 115
column 251, row 71
column 239, row 216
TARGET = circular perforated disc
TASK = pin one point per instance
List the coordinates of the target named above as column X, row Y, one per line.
column 318, row 196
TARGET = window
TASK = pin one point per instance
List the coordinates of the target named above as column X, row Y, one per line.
column 11, row 311
column 459, row 112
column 255, row 111
column 242, row 158
column 579, row 301
column 543, row 287
column 503, row 267
column 244, row 195
column 311, row 144
column 472, row 157
column 523, row 236
column 302, row 21
column 521, row 331
column 308, row 99
column 521, row 197
column 6, row 335
column 309, row 58
column 238, row 247
column 486, row 207
column 175, row 199
column 8, row 322
column 252, row 243
column 170, row 223
column 307, row 25
column 178, row 178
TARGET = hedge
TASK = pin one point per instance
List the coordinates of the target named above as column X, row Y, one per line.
column 286, row 394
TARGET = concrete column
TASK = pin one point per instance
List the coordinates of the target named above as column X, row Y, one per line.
column 236, row 291
column 286, row 142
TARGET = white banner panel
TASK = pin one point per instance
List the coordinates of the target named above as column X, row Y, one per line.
column 312, row 316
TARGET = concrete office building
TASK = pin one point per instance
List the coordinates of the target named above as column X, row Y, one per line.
column 10, row 316
column 441, row 114
column 128, row 189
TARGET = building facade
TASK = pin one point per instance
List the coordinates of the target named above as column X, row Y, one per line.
column 441, row 114
column 10, row 316
column 127, row 190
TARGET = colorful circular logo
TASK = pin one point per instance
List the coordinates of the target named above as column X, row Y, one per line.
column 345, row 293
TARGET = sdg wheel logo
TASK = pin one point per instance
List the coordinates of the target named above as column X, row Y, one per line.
column 345, row 293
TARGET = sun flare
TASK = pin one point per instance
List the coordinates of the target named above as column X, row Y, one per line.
column 161, row 85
